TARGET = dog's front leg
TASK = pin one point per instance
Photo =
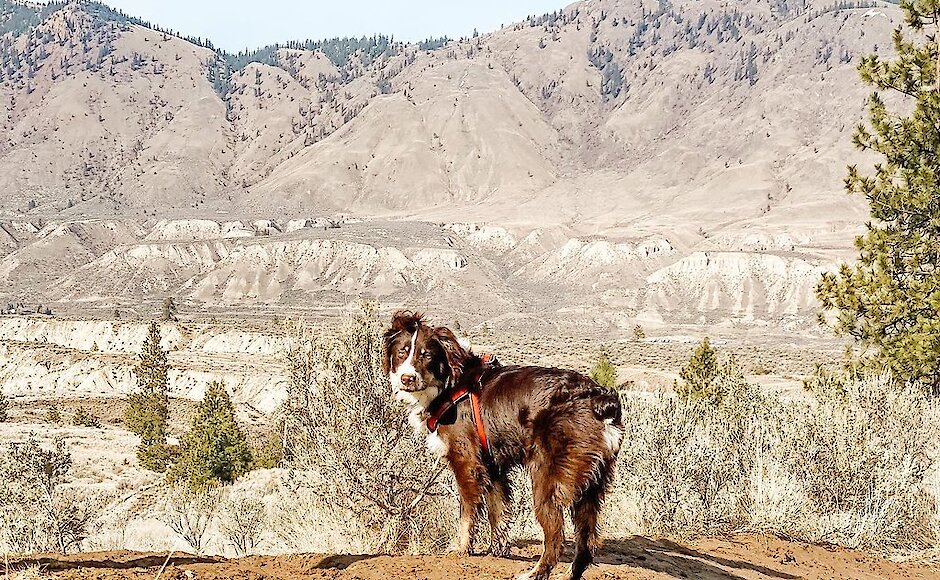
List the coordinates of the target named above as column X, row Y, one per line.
column 468, row 521
column 470, row 488
column 496, row 504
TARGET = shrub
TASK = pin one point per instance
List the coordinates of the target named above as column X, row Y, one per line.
column 604, row 372
column 270, row 452
column 862, row 458
column 157, row 457
column 190, row 510
column 242, row 522
column 38, row 511
column 372, row 481
column 851, row 469
column 83, row 418
column 53, row 415
column 215, row 450
column 691, row 463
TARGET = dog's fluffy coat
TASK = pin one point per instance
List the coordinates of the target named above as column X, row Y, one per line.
column 561, row 426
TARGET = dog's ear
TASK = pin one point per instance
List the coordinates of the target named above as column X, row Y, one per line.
column 406, row 320
column 402, row 321
column 456, row 354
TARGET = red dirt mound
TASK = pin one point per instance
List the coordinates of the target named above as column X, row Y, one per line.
column 741, row 557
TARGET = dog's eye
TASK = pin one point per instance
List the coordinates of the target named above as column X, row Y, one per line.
column 425, row 355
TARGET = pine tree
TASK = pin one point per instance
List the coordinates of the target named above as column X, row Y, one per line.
column 698, row 377
column 638, row 333
column 169, row 309
column 53, row 415
column 215, row 449
column 889, row 300
column 148, row 409
column 604, row 373
column 84, row 418
column 4, row 406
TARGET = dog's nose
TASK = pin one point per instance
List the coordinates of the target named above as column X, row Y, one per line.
column 406, row 380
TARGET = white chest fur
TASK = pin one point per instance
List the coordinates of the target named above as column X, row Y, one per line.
column 436, row 444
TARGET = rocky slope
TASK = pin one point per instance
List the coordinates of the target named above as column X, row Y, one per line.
column 612, row 162
column 610, row 109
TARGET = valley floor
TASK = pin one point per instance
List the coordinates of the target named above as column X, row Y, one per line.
column 744, row 557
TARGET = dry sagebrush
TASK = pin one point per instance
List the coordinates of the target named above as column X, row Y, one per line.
column 359, row 469
column 39, row 511
column 190, row 511
column 242, row 523
column 852, row 466
column 851, row 469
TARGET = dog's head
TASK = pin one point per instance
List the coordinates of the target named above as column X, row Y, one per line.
column 420, row 360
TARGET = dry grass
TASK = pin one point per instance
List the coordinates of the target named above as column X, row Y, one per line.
column 857, row 470
column 856, row 466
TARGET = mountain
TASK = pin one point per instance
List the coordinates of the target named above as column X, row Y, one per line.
column 668, row 160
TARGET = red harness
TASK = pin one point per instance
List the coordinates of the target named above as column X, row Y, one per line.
column 472, row 391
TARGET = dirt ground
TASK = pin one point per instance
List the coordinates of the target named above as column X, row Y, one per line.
column 741, row 557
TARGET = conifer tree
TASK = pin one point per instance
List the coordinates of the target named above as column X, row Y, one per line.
column 52, row 414
column 148, row 409
column 215, row 449
column 889, row 300
column 4, row 405
column 169, row 309
column 698, row 377
column 638, row 333
column 604, row 373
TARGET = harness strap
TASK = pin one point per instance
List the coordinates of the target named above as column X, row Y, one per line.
column 478, row 419
column 472, row 391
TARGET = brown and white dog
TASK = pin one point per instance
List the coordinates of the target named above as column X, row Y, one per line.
column 560, row 425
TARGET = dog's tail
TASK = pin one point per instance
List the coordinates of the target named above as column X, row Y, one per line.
column 607, row 408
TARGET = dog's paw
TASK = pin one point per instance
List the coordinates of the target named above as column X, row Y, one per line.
column 499, row 550
column 535, row 574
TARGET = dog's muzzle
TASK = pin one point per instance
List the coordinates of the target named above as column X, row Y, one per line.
column 409, row 384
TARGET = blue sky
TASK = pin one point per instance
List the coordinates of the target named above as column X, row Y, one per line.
column 237, row 24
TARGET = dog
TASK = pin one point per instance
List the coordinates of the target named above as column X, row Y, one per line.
column 488, row 419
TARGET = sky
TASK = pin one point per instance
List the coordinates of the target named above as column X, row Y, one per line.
column 238, row 24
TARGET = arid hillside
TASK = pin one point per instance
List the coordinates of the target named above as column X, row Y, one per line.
column 523, row 278
column 608, row 111
column 613, row 162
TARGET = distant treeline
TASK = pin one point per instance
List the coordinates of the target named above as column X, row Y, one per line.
column 18, row 18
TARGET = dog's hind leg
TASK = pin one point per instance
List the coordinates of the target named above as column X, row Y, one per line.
column 551, row 517
column 585, row 517
column 469, row 516
column 497, row 500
